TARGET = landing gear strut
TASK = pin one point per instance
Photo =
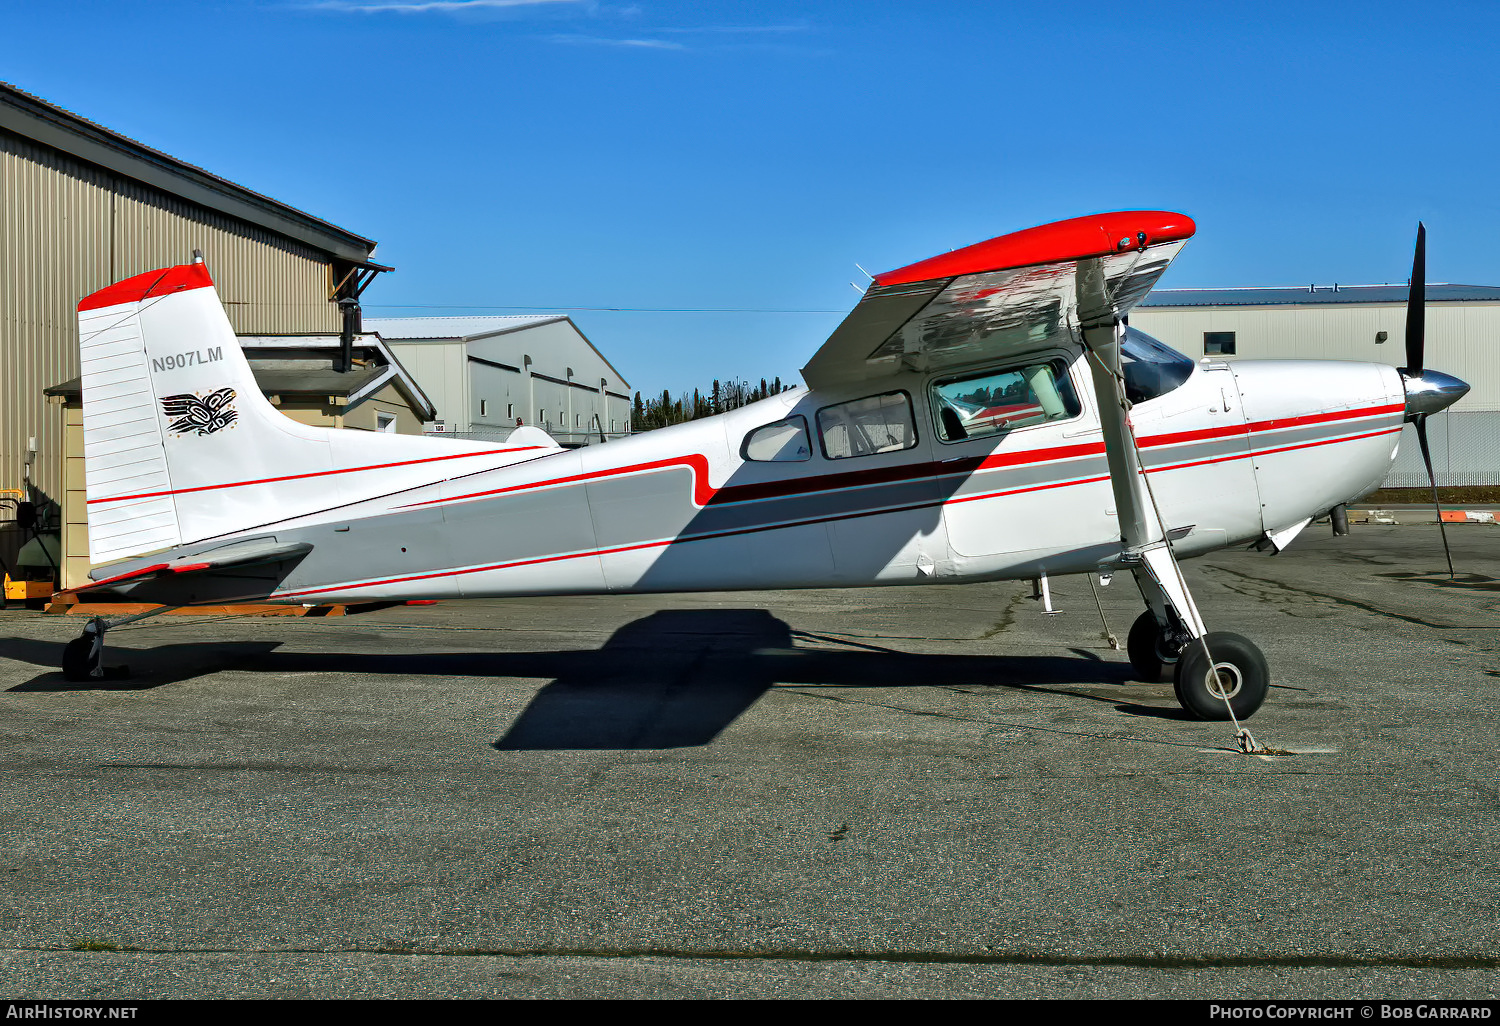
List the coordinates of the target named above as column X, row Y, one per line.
column 1154, row 649
column 1212, row 673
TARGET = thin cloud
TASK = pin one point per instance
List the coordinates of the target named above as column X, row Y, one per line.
column 736, row 29
column 649, row 44
column 429, row 6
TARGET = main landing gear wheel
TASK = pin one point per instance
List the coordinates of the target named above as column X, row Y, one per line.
column 1239, row 674
column 1152, row 651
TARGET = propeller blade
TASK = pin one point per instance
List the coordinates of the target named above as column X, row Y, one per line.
column 1416, row 306
column 1421, row 425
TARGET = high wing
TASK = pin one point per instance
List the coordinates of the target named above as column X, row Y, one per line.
column 1009, row 295
column 1071, row 282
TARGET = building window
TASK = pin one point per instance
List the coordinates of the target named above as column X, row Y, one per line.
column 510, row 411
column 484, row 407
column 1218, row 343
column 385, row 422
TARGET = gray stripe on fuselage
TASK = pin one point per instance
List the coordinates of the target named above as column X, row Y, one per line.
column 1278, row 437
column 638, row 507
column 635, row 508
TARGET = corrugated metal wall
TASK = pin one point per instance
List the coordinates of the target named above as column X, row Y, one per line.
column 68, row 229
column 1463, row 339
column 54, row 244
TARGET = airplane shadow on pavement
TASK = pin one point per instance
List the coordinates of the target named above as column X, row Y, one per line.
column 676, row 678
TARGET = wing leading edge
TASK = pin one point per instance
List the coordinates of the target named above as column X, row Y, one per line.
column 1001, row 297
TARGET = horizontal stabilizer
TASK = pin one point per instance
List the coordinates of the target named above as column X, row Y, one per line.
column 250, row 552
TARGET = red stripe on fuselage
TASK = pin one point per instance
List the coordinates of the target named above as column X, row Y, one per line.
column 316, row 473
column 683, row 539
column 1258, row 426
column 816, row 520
column 704, row 495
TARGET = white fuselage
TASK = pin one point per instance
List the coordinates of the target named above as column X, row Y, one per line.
column 1234, row 452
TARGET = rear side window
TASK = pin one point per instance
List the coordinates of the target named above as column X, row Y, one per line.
column 782, row 442
column 877, row 423
column 992, row 402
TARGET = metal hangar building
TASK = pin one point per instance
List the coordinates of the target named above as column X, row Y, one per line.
column 82, row 207
column 1364, row 323
column 488, row 375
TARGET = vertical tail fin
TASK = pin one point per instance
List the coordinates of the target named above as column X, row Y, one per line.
column 180, row 445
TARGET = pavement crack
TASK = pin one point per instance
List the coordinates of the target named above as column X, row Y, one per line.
column 1268, row 588
column 990, row 956
column 1007, row 617
column 845, row 700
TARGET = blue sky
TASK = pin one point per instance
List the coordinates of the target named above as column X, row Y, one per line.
column 664, row 156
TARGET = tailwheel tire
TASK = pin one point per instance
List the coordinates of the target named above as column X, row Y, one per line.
column 1240, row 674
column 1151, row 652
column 79, row 661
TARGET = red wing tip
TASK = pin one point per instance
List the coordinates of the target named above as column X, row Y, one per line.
column 162, row 282
column 1074, row 239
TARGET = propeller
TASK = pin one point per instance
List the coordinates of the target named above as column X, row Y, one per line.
column 1416, row 344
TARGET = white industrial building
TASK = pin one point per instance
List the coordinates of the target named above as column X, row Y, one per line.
column 488, row 375
column 1358, row 322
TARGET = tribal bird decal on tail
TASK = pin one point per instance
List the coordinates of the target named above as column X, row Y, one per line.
column 204, row 416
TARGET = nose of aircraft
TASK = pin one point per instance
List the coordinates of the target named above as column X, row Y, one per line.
column 1430, row 391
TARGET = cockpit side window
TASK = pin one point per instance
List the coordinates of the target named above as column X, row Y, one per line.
column 977, row 405
column 877, row 423
column 1151, row 368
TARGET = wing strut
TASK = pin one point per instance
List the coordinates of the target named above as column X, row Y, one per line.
column 1217, row 676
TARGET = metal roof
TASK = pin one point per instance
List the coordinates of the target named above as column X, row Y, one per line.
column 409, row 328
column 1318, row 295
column 34, row 118
column 293, row 365
column 469, row 328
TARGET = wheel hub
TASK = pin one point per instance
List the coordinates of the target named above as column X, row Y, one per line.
column 1224, row 681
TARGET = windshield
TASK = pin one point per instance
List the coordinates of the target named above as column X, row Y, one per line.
column 1151, row 368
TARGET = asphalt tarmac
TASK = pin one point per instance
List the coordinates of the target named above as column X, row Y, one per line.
column 898, row 792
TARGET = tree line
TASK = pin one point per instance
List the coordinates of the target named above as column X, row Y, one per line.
column 665, row 410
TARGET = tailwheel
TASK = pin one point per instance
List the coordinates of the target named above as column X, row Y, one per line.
column 1238, row 674
column 83, row 658
column 1153, row 650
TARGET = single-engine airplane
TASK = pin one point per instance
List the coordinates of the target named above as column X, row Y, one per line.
column 984, row 415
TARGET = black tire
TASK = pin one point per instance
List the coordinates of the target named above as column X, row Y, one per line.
column 78, row 659
column 1150, row 653
column 1244, row 673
